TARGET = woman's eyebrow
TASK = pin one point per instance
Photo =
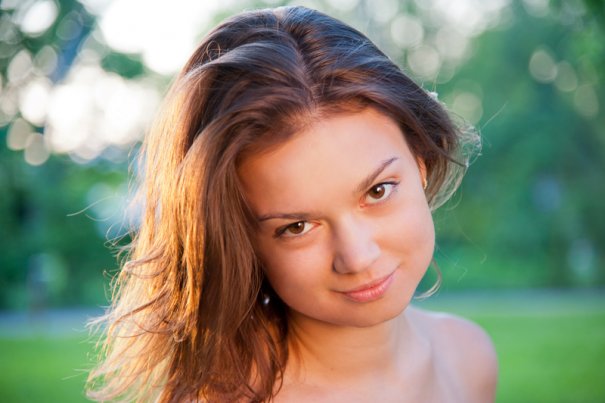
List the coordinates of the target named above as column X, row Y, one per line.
column 284, row 216
column 369, row 180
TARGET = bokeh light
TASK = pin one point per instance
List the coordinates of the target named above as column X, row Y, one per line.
column 36, row 17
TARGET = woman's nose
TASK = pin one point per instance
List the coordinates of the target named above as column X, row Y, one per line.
column 355, row 247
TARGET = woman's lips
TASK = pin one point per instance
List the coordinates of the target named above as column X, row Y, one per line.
column 372, row 291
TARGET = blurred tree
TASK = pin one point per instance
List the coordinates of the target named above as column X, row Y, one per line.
column 531, row 203
column 48, row 256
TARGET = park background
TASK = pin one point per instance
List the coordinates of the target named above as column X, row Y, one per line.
column 520, row 245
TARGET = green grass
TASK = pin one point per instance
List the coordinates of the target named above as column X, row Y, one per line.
column 559, row 358
column 551, row 348
column 39, row 369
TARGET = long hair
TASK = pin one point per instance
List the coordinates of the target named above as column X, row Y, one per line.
column 187, row 321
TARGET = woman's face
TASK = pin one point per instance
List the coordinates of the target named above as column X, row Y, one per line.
column 345, row 232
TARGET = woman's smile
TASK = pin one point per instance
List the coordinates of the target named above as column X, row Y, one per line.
column 371, row 291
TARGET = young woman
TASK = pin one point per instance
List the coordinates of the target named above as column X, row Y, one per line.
column 287, row 222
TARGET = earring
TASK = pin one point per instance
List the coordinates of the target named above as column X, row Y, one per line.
column 266, row 299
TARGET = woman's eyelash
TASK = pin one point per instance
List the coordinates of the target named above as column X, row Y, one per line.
column 280, row 232
column 387, row 189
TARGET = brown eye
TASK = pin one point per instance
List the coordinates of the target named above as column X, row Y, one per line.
column 377, row 192
column 296, row 228
column 380, row 192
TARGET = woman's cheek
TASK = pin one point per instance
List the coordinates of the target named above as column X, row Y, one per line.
column 424, row 239
column 412, row 233
column 289, row 269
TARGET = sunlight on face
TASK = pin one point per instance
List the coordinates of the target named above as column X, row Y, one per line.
column 345, row 232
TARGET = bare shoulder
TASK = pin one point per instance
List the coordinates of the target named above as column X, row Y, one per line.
column 463, row 350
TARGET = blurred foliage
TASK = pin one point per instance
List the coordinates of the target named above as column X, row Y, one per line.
column 51, row 253
column 530, row 207
column 527, row 214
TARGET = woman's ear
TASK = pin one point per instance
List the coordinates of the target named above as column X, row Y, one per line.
column 423, row 173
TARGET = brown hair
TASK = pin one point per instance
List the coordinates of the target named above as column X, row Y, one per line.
column 187, row 320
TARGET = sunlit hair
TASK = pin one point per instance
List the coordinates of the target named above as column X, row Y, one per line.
column 188, row 321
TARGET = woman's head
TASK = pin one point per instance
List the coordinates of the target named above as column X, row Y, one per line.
column 263, row 76
column 255, row 82
column 344, row 231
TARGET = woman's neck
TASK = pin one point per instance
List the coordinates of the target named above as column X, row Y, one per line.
column 321, row 352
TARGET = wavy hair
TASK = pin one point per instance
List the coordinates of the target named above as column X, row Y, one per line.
column 187, row 320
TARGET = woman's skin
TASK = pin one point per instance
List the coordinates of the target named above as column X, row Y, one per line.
column 345, row 235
